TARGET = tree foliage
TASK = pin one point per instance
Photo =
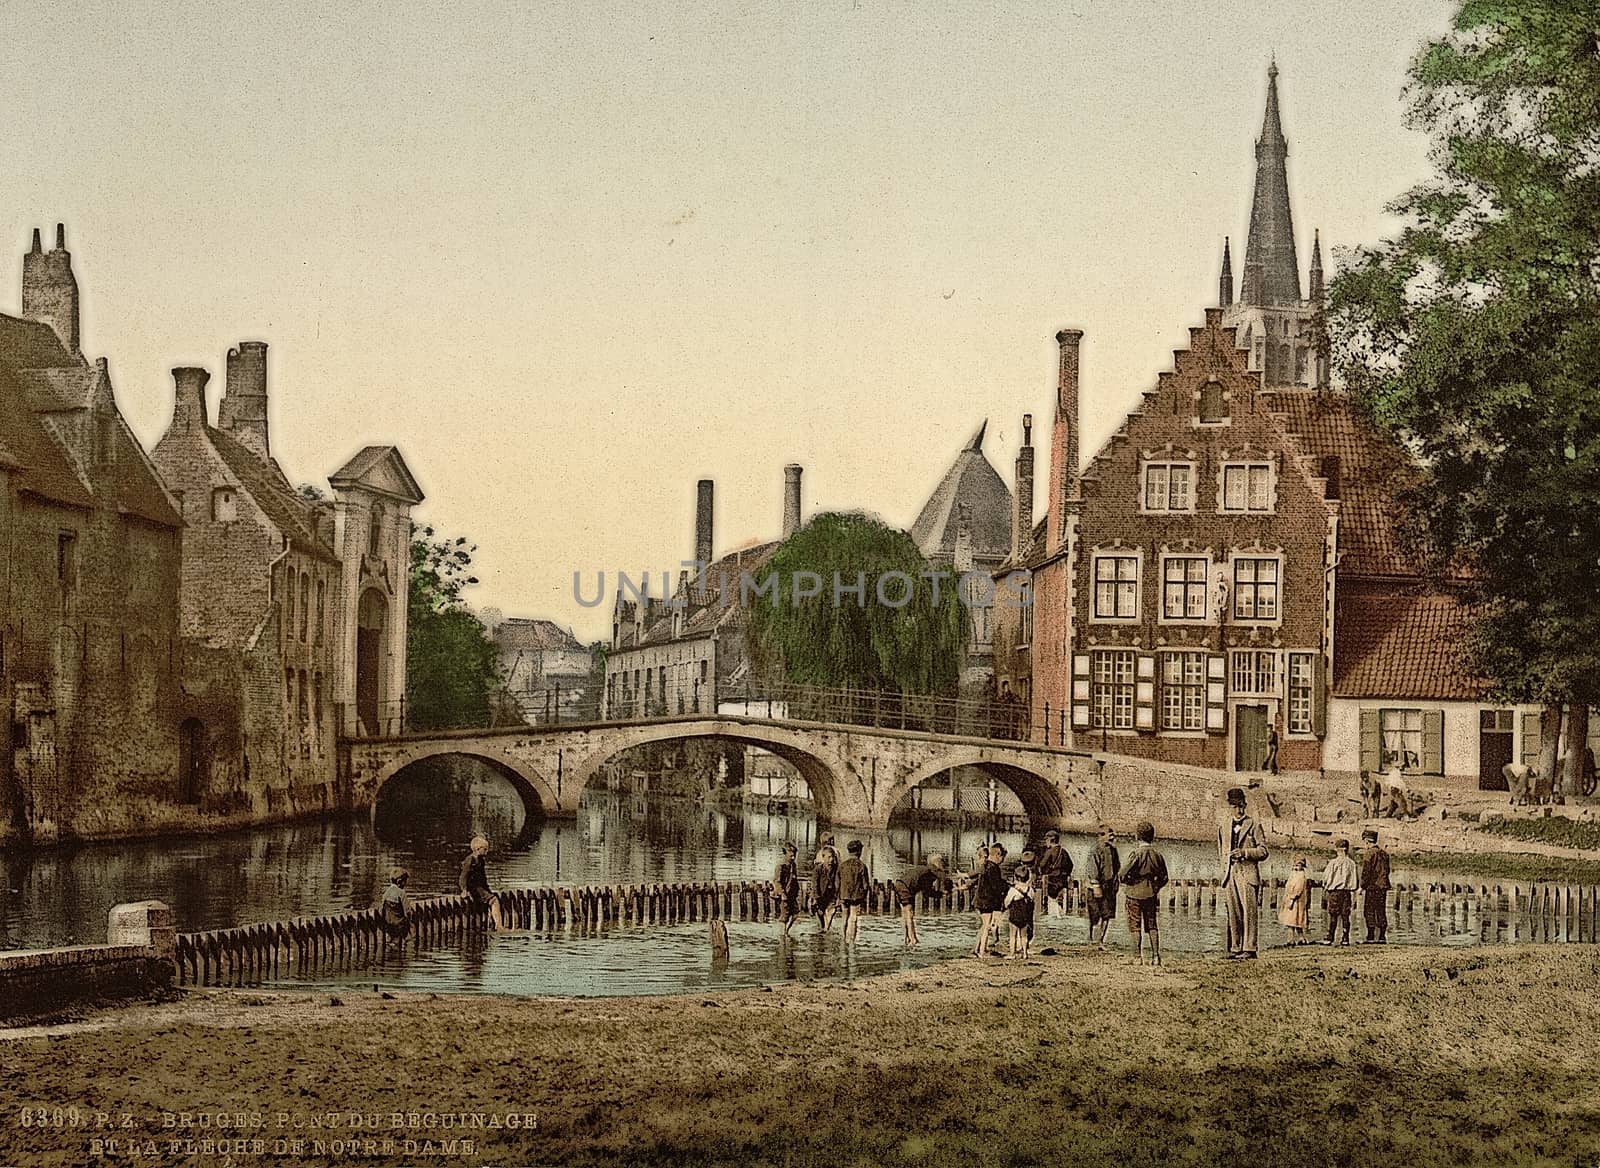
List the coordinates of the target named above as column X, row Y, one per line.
column 1474, row 334
column 915, row 648
column 452, row 667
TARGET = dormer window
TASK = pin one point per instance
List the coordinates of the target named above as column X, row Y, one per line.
column 1213, row 402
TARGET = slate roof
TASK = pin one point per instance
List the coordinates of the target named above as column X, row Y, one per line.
column 535, row 634
column 289, row 513
column 1401, row 644
column 712, row 605
column 39, row 463
column 973, row 482
column 1372, row 471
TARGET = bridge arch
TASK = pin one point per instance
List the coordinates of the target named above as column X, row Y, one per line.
column 1042, row 798
column 836, row 789
column 536, row 792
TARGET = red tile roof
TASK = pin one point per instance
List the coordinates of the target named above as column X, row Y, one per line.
column 1372, row 470
column 1401, row 643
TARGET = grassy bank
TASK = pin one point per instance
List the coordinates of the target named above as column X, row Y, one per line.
column 1521, row 866
column 1554, row 829
column 1309, row 1056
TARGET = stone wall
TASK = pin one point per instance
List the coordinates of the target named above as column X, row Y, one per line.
column 137, row 961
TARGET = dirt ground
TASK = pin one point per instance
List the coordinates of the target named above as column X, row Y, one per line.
column 1307, row 1057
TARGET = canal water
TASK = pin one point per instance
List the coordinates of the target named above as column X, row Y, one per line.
column 61, row 897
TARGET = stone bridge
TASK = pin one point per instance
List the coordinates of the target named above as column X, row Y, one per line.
column 857, row 774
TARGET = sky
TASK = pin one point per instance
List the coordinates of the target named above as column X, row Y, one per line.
column 571, row 258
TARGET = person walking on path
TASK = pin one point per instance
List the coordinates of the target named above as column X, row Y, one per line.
column 786, row 886
column 854, row 881
column 1105, row 867
column 932, row 881
column 1270, row 765
column 825, row 884
column 1339, row 888
column 1374, row 889
column 1055, row 869
column 474, row 881
column 1144, row 878
column 1242, row 846
column 396, row 914
column 1293, row 914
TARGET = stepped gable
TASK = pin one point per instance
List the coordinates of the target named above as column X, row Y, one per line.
column 973, row 482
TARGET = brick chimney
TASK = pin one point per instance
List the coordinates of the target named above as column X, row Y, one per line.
column 1064, row 440
column 244, row 402
column 50, row 290
column 1022, row 508
column 791, row 498
column 189, row 397
column 702, row 521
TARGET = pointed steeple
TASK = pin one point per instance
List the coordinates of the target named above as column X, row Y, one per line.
column 977, row 439
column 1316, row 266
column 1225, row 289
column 1271, row 269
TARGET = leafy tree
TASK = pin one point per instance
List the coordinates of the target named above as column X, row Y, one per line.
column 311, row 493
column 1474, row 336
column 914, row 649
column 452, row 667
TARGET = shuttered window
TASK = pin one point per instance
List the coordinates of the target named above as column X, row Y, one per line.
column 1407, row 739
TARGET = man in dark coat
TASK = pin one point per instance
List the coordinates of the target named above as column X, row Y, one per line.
column 1374, row 888
column 1105, row 870
column 1055, row 869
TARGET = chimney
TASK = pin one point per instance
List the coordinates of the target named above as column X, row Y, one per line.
column 791, row 498
column 1064, row 441
column 189, row 397
column 702, row 522
column 1022, row 508
column 50, row 290
column 244, row 402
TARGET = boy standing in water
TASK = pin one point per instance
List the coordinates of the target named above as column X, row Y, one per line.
column 930, row 882
column 825, row 883
column 1019, row 909
column 786, row 886
column 1374, row 888
column 854, row 881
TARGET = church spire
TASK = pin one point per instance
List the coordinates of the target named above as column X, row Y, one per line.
column 1316, row 266
column 1271, row 269
column 1225, row 285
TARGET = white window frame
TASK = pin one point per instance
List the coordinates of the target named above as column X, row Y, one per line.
column 1394, row 720
column 1136, row 555
column 1185, row 505
column 1112, row 678
column 1235, row 592
column 1253, row 674
column 1299, row 713
column 1183, row 691
column 1203, row 584
column 1268, row 503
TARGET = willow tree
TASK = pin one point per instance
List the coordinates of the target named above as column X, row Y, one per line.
column 903, row 631
column 1474, row 336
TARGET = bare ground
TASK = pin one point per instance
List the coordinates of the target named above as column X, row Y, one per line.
column 1307, row 1057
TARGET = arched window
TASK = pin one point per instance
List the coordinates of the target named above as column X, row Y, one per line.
column 305, row 603
column 375, row 531
column 288, row 606
column 321, row 610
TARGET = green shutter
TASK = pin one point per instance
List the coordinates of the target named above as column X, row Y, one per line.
column 1371, row 754
column 1433, row 742
column 1530, row 739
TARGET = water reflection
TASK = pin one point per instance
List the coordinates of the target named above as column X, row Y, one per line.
column 62, row 897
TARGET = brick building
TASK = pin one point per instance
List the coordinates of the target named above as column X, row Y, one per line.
column 544, row 668
column 89, row 644
column 293, row 609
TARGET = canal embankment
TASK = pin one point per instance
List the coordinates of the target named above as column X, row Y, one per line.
column 1420, row 1056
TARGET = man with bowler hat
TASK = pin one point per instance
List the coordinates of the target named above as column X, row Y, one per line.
column 1241, row 846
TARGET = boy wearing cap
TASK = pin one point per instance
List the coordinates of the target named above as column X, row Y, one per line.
column 1143, row 879
column 1339, row 884
column 854, row 880
column 1374, row 888
column 1055, row 869
column 1105, row 868
column 1242, row 845
column 786, row 886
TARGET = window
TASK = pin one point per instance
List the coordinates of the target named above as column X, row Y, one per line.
column 1168, row 486
column 1255, row 589
column 1255, row 671
column 375, row 531
column 224, row 505
column 1025, row 637
column 305, row 604
column 1183, row 587
column 288, row 621
column 66, row 560
column 1302, row 675
column 1183, row 691
column 1116, row 587
column 1213, row 406
column 321, row 609
column 1247, row 487
column 1400, row 732
column 1111, row 689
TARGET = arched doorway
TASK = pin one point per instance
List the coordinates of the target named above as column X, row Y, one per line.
column 372, row 625
column 194, row 760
